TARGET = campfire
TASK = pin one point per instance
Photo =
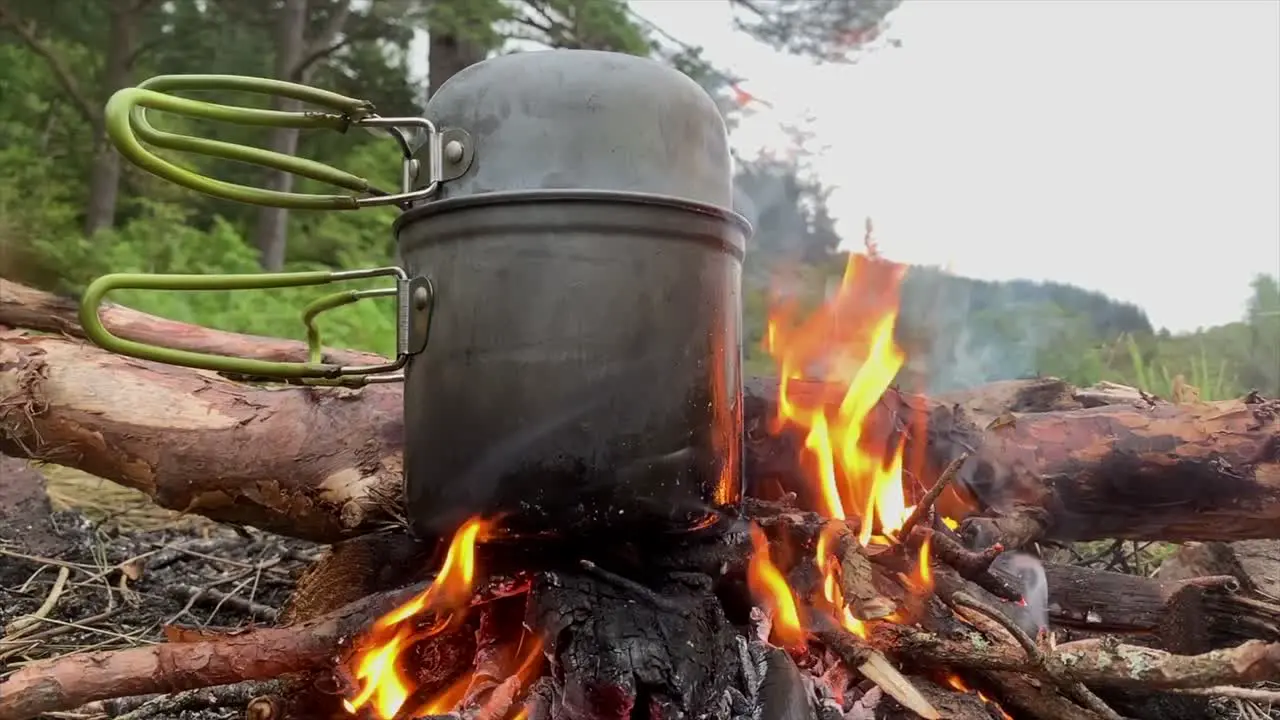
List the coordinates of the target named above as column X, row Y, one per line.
column 866, row 560
column 820, row 608
column 862, row 576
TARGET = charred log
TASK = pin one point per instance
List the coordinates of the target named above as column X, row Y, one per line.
column 1189, row 616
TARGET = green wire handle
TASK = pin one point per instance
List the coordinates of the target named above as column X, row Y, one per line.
column 314, row 371
column 128, row 128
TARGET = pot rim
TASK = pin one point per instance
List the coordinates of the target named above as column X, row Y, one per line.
column 552, row 195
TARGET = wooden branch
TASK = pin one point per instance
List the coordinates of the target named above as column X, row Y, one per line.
column 1188, row 616
column 325, row 463
column 1097, row 663
column 317, row 464
column 65, row 683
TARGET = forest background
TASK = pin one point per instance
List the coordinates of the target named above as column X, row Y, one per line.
column 70, row 210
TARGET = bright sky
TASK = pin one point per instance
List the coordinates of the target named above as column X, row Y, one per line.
column 1126, row 146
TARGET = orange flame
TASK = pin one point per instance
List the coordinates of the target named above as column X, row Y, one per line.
column 849, row 344
column 956, row 682
column 923, row 572
column 770, row 587
column 831, row 584
column 849, row 339
column 384, row 684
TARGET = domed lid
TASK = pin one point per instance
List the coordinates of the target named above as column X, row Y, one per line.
column 584, row 119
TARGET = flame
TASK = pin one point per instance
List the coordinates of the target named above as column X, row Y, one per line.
column 848, row 342
column 831, row 583
column 923, row 572
column 767, row 583
column 383, row 684
column 956, row 682
column 852, row 336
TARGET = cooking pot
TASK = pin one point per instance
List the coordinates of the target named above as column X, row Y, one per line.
column 569, row 287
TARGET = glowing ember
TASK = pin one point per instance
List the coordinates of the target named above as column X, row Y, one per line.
column 956, row 682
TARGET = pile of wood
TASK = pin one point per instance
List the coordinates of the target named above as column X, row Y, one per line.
column 1032, row 463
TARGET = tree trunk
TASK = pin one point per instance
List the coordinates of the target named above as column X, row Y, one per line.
column 449, row 53
column 324, row 463
column 271, row 233
column 104, row 175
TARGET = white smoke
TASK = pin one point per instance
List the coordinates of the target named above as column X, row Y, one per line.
column 1035, row 589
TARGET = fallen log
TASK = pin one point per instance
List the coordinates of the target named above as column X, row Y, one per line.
column 1191, row 615
column 324, row 463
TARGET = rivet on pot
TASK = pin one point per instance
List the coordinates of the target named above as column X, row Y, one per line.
column 453, row 151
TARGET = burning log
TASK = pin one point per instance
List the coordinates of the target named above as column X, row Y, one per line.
column 1043, row 466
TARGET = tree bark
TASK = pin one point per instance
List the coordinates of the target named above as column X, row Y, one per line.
column 104, row 175
column 296, row 55
column 448, row 54
column 271, row 233
column 324, row 463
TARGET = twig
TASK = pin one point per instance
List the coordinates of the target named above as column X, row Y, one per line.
column 244, row 605
column 1077, row 689
column 16, row 628
column 925, row 506
column 168, row 706
column 1259, row 695
column 854, row 653
column 972, row 566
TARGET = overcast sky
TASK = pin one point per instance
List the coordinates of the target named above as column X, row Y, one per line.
column 1126, row 146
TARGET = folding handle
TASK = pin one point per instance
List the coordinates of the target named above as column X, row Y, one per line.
column 414, row 301
column 448, row 153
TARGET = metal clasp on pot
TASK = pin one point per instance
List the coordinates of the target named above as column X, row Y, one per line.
column 414, row 302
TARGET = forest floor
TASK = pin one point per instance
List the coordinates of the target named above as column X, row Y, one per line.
column 120, row 570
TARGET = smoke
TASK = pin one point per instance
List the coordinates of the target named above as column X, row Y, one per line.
column 1034, row 615
column 960, row 333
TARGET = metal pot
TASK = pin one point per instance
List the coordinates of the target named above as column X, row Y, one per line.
column 583, row 367
column 584, row 363
column 569, row 301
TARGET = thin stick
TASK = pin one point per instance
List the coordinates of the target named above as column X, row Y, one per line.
column 925, row 506
column 1082, row 694
column 1259, row 695
column 220, row 598
column 16, row 628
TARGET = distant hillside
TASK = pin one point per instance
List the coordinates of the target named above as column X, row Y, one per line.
column 960, row 332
